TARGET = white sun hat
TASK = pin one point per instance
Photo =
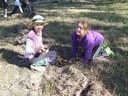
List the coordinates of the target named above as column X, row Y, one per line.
column 39, row 18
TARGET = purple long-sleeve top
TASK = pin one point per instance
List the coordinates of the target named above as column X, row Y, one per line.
column 88, row 42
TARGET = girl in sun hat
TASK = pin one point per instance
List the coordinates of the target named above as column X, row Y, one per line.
column 36, row 52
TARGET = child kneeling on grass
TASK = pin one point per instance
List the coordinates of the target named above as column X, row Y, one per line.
column 36, row 52
column 91, row 41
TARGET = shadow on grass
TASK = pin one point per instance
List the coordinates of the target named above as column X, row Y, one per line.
column 13, row 31
column 76, row 4
column 14, row 58
column 60, row 32
column 110, row 17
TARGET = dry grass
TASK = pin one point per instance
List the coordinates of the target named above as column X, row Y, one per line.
column 108, row 17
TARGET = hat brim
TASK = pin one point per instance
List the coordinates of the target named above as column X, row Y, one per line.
column 44, row 23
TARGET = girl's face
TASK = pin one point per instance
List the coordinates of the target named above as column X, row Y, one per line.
column 80, row 31
column 38, row 27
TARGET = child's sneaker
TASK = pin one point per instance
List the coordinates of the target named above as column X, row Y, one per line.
column 37, row 68
column 108, row 51
column 5, row 16
column 104, row 54
column 40, row 65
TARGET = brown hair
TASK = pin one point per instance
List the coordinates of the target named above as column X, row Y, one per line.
column 85, row 24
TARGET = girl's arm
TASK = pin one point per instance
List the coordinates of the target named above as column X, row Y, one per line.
column 88, row 51
column 74, row 45
column 29, row 48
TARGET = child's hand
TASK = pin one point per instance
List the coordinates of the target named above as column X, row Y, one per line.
column 45, row 48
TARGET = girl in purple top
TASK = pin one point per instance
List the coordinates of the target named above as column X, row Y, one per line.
column 89, row 39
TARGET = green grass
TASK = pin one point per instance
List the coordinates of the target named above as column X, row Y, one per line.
column 106, row 16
